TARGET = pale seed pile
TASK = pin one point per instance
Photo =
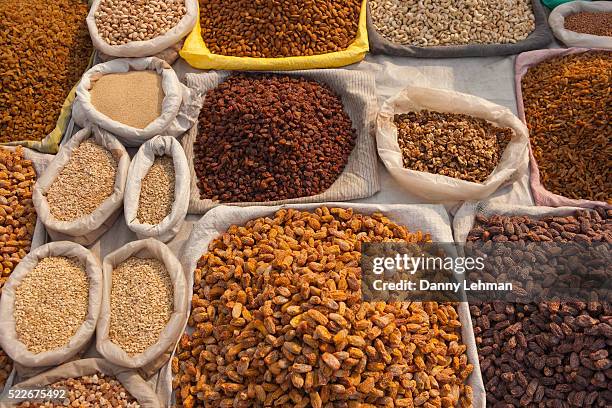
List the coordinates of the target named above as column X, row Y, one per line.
column 453, row 145
column 51, row 303
column 142, row 302
column 123, row 21
column 84, row 183
column 90, row 391
column 133, row 98
column 157, row 192
column 453, row 22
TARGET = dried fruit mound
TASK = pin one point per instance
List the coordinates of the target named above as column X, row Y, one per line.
column 6, row 366
column 278, row 321
column 266, row 138
column 45, row 50
column 567, row 107
column 278, row 28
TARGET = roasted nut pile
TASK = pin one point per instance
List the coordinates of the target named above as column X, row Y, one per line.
column 123, row 21
column 45, row 50
column 133, row 98
column 51, row 303
column 278, row 28
column 142, row 301
column 453, row 145
column 157, row 192
column 552, row 354
column 6, row 366
column 84, row 183
column 278, row 321
column 567, row 101
column 266, row 138
column 90, row 391
column 17, row 213
column 454, row 22
column 590, row 23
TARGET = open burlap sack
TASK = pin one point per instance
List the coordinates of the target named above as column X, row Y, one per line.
column 130, row 379
column 139, row 167
column 539, row 38
column 360, row 176
column 87, row 229
column 436, row 187
column 135, row 49
column 426, row 217
column 9, row 339
column 180, row 106
column 572, row 38
column 152, row 359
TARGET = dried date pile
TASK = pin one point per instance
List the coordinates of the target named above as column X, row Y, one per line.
column 17, row 213
column 553, row 353
column 567, row 108
column 45, row 50
column 450, row 144
column 266, row 138
column 278, row 28
column 278, row 320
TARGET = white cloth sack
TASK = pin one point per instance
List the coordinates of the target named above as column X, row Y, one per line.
column 360, row 176
column 133, row 383
column 180, row 106
column 572, row 38
column 9, row 339
column 84, row 230
column 436, row 187
column 425, row 217
column 153, row 358
column 139, row 167
column 143, row 48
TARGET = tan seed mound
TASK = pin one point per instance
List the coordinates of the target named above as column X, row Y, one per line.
column 142, row 301
column 17, row 213
column 90, row 391
column 157, row 192
column 51, row 303
column 84, row 183
column 45, row 49
column 453, row 145
column 133, row 98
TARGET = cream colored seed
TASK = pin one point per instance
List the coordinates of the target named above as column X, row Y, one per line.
column 51, row 303
column 157, row 192
column 84, row 183
column 142, row 301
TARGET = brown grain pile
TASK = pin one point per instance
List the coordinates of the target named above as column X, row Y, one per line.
column 567, row 108
column 278, row 28
column 6, row 366
column 17, row 213
column 266, row 138
column 157, row 192
column 450, row 144
column 590, row 23
column 133, row 98
column 45, row 50
column 278, row 321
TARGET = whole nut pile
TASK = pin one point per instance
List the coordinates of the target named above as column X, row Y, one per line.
column 266, row 138
column 6, row 366
column 278, row 320
column 567, row 101
column 83, row 183
column 123, row 21
column 45, row 50
column 90, row 391
column 51, row 303
column 278, row 28
column 449, row 144
column 453, row 22
column 552, row 354
column 142, row 301
column 17, row 213
column 157, row 192
column 590, row 23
